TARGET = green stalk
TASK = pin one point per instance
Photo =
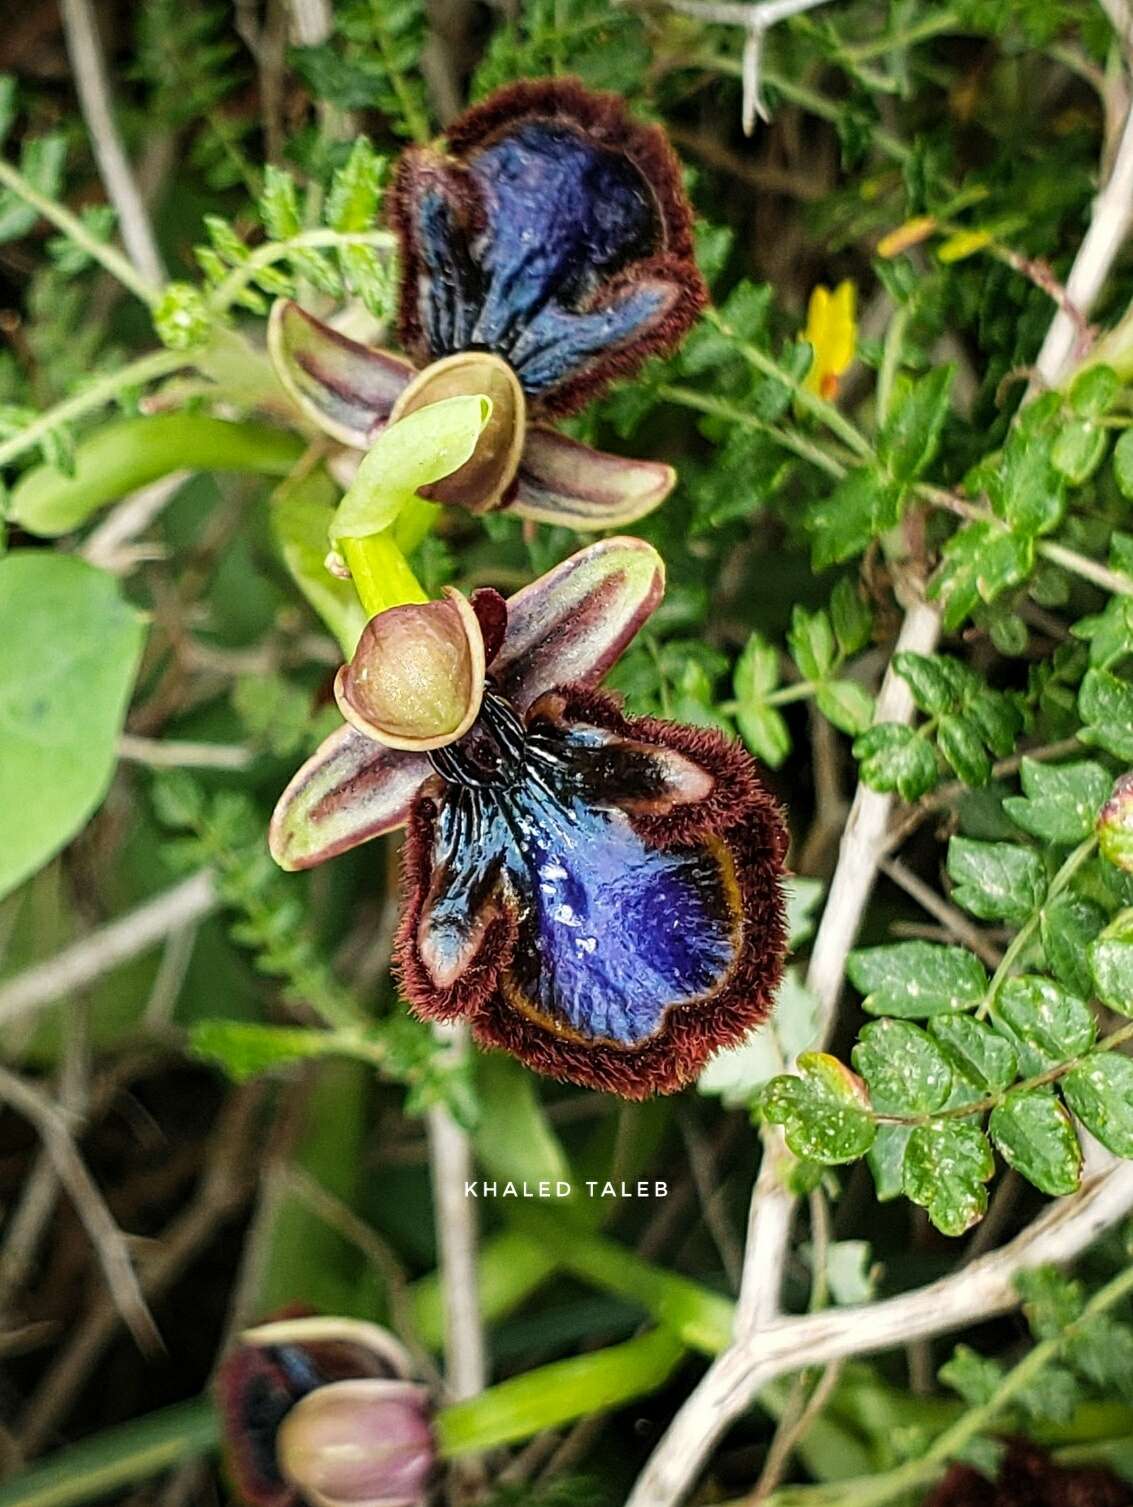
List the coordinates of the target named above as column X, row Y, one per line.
column 134, row 374
column 790, row 440
column 382, row 576
column 117, row 1458
column 132, row 453
column 73, row 228
column 559, row 1393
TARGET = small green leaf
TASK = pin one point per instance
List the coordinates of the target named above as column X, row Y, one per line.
column 936, row 681
column 980, row 562
column 975, row 1377
column 1123, row 464
column 917, row 979
column 1068, row 925
column 906, row 1071
column 1111, row 963
column 765, row 733
column 847, row 704
column 245, row 1049
column 1079, row 450
column 1094, row 391
column 1106, row 704
column 1061, row 801
column 757, row 670
column 811, row 642
column 1051, row 1301
column 1100, row 1092
column 1035, row 1135
column 71, row 647
column 851, row 617
column 355, row 192
column 962, row 746
column 862, row 505
column 976, row 1051
column 911, row 435
column 996, row 880
column 886, row 1159
column 824, row 1111
column 947, row 1163
column 1024, row 489
column 1046, row 1024
column 893, row 757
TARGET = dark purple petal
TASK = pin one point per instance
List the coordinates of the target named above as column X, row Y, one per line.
column 574, row 622
column 555, row 233
column 563, row 482
column 350, row 790
column 343, row 387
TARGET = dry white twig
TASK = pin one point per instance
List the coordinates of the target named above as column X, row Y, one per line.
column 757, row 19
column 111, row 545
column 117, row 942
column 113, row 165
column 171, row 753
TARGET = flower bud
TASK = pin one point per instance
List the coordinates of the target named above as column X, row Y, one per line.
column 1115, row 825
column 319, row 1412
column 482, row 483
column 417, row 677
column 361, row 1443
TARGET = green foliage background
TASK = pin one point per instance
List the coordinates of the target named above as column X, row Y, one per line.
column 984, row 1036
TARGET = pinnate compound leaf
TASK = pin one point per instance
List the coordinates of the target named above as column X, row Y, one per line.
column 70, row 652
column 824, row 1111
column 917, row 979
column 1035, row 1135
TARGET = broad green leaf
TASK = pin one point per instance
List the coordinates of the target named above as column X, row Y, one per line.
column 71, row 647
column 824, row 1111
column 1111, row 963
column 906, row 1071
column 1100, row 1092
column 1068, row 925
column 917, row 979
column 893, row 757
column 515, row 1141
column 1046, row 1024
column 1035, row 1135
column 425, row 445
column 1060, row 802
column 1106, row 705
column 976, row 1051
column 847, row 704
column 910, row 437
column 996, row 880
column 947, row 1163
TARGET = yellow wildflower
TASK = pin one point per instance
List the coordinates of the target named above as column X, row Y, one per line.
column 831, row 332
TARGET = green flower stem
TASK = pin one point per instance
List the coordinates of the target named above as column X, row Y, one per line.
column 558, row 1393
column 117, row 1458
column 414, row 522
column 1023, row 936
column 224, row 294
column 875, row 1491
column 826, row 413
column 73, row 228
column 382, row 576
column 104, row 390
column 799, row 444
column 131, row 453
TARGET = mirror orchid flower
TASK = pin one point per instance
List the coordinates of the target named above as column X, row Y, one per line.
column 596, row 893
column 546, row 251
column 322, row 1412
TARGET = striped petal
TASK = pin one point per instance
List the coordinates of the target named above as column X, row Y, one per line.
column 563, row 482
column 350, row 790
column 573, row 623
column 343, row 387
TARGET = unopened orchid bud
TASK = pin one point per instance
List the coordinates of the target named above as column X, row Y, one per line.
column 361, row 1443
column 320, row 1412
column 482, row 483
column 417, row 677
column 1115, row 825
